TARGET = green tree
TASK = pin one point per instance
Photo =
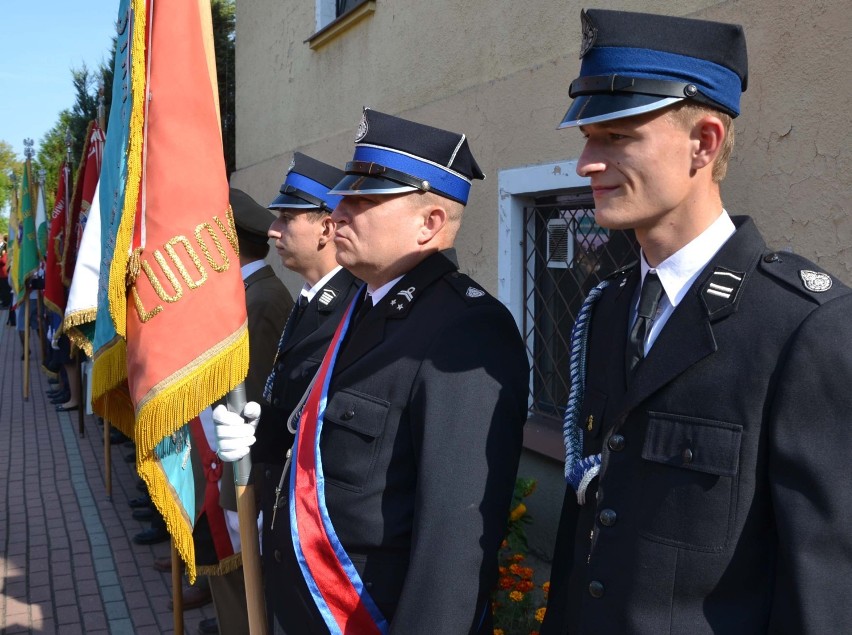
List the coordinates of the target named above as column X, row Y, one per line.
column 51, row 154
column 224, row 36
column 8, row 163
column 85, row 108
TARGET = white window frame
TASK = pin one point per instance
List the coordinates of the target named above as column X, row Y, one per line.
column 326, row 13
column 518, row 188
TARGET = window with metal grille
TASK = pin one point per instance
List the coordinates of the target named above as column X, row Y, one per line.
column 565, row 255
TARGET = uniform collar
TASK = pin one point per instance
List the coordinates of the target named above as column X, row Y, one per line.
column 679, row 271
column 310, row 292
column 250, row 268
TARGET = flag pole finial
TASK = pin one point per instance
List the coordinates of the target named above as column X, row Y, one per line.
column 28, row 149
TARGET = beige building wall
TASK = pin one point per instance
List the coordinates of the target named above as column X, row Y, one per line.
column 499, row 70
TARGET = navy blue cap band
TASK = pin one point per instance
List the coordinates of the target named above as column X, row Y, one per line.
column 714, row 82
column 313, row 188
column 441, row 179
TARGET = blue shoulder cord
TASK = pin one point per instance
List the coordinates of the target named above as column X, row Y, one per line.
column 579, row 470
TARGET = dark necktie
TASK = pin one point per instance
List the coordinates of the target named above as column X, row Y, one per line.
column 303, row 302
column 366, row 305
column 649, row 300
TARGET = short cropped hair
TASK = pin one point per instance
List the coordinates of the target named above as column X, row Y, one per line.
column 686, row 113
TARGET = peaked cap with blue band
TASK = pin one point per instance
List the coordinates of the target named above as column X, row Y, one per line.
column 635, row 63
column 394, row 155
column 307, row 185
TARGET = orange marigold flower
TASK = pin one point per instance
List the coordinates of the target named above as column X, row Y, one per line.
column 546, row 587
column 539, row 614
column 504, row 544
column 516, row 596
column 525, row 586
column 515, row 569
column 533, row 632
column 506, row 583
column 518, row 512
column 518, row 557
column 526, row 573
column 502, row 570
column 498, row 631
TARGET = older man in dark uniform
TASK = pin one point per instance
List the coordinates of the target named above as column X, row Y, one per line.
column 408, row 443
column 268, row 304
column 708, row 438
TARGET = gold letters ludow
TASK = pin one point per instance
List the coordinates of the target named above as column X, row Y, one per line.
column 187, row 262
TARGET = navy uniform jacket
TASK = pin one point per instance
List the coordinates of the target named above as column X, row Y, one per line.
column 268, row 303
column 297, row 363
column 420, row 448
column 723, row 503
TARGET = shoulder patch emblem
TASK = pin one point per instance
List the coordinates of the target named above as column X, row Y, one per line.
column 473, row 292
column 327, row 296
column 815, row 281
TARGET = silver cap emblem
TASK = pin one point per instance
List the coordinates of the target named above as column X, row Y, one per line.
column 590, row 34
column 362, row 127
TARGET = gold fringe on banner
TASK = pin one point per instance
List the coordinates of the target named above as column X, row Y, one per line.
column 110, row 395
column 182, row 396
column 77, row 337
column 225, row 566
column 178, row 524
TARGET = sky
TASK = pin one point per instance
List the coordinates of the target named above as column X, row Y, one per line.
column 40, row 42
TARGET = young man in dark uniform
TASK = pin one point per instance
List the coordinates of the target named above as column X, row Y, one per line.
column 303, row 235
column 408, row 444
column 709, row 436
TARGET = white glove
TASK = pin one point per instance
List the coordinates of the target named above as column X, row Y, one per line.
column 234, row 432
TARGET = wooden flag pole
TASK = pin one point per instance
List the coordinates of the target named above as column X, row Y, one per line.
column 26, row 343
column 41, row 337
column 247, row 514
column 108, row 458
column 177, row 590
column 81, row 394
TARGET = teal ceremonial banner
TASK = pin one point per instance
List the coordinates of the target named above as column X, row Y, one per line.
column 112, row 184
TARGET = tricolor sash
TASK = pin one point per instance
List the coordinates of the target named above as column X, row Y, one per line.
column 331, row 577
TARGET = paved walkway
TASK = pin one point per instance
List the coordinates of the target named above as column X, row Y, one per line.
column 67, row 560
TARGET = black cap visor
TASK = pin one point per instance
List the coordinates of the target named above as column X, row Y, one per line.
column 588, row 109
column 355, row 184
column 293, row 197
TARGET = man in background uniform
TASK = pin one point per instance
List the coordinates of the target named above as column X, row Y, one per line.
column 708, row 440
column 304, row 239
column 408, row 444
column 268, row 303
